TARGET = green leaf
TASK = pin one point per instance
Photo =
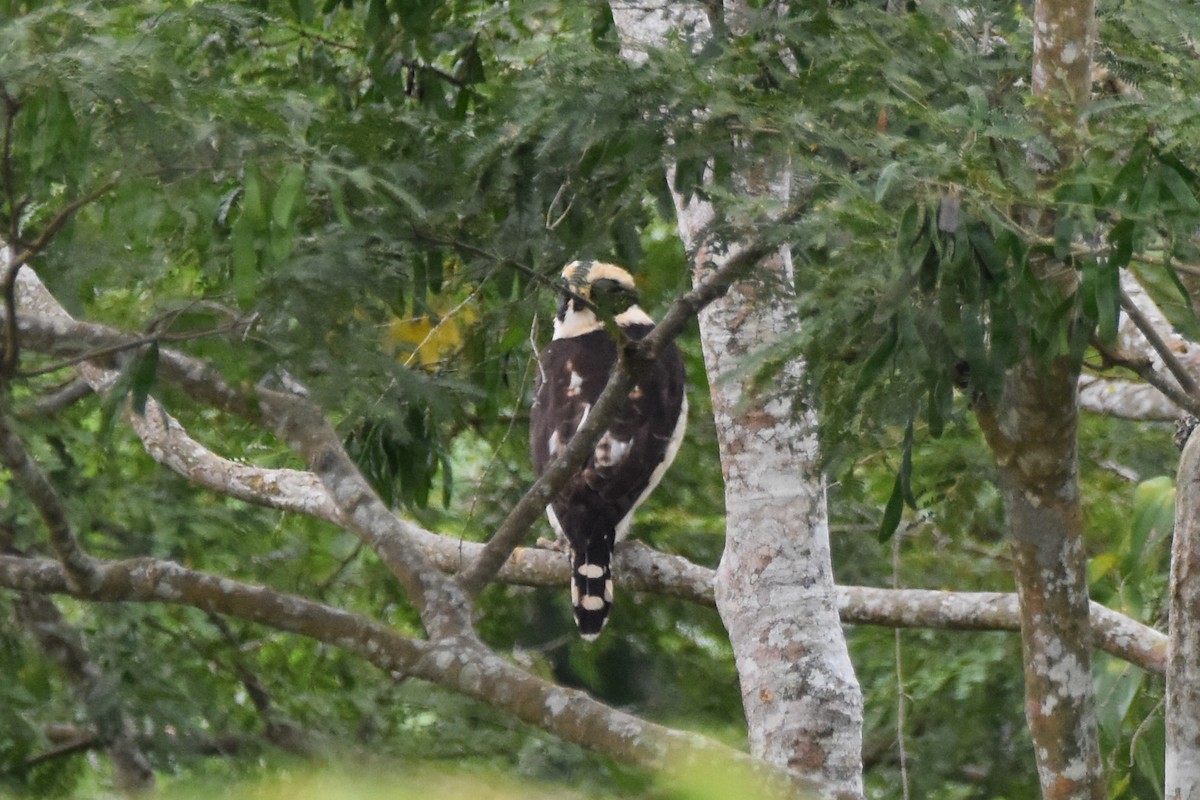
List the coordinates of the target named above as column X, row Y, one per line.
column 941, row 401
column 879, row 357
column 254, row 205
column 144, row 371
column 378, row 19
column 892, row 512
column 1108, row 301
column 1130, row 179
column 1120, row 237
column 1185, row 294
column 901, row 489
column 1148, row 199
column 975, row 347
column 470, row 64
column 906, row 466
column 243, row 272
column 908, row 231
column 1064, row 234
column 987, row 256
column 1179, row 189
column 285, row 206
column 114, row 401
column 435, row 271
column 303, row 9
column 1153, row 517
column 887, row 176
column 896, row 295
column 447, row 480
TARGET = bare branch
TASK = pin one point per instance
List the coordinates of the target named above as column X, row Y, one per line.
column 1112, row 631
column 45, row 498
column 445, row 610
column 644, row 569
column 1145, row 370
column 61, row 398
column 86, row 740
column 63, row 644
column 14, row 263
column 298, row 423
column 101, row 354
column 69, row 739
column 460, row 664
column 1177, row 370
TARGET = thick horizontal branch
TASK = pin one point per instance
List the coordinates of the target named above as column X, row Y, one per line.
column 156, row 580
column 641, row 568
column 461, row 665
column 1112, row 632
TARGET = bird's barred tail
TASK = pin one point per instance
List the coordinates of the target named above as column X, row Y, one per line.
column 591, row 589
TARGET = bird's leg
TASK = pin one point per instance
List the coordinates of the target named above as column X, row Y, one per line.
column 558, row 544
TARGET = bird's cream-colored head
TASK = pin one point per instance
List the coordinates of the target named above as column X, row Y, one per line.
column 589, row 286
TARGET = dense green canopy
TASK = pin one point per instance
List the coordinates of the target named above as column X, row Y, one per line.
column 372, row 198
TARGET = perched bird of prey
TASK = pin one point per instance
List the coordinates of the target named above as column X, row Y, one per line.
column 595, row 509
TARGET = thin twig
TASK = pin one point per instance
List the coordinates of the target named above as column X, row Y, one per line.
column 9, row 288
column 1146, row 371
column 448, row 316
column 60, row 219
column 1171, row 362
column 343, row 565
column 65, row 646
column 57, row 400
column 29, row 476
column 133, row 344
column 87, row 741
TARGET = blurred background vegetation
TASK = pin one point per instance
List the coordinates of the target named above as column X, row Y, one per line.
column 383, row 186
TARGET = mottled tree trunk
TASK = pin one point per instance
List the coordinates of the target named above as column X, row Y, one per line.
column 774, row 586
column 1033, row 436
column 1183, row 643
column 1033, row 433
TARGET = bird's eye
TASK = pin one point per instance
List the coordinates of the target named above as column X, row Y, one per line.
column 606, row 286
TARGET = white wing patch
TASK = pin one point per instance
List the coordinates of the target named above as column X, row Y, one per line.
column 553, row 444
column 554, row 523
column 659, row 471
column 576, row 384
column 610, row 450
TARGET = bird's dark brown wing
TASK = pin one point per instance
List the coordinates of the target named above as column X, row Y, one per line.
column 599, row 498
